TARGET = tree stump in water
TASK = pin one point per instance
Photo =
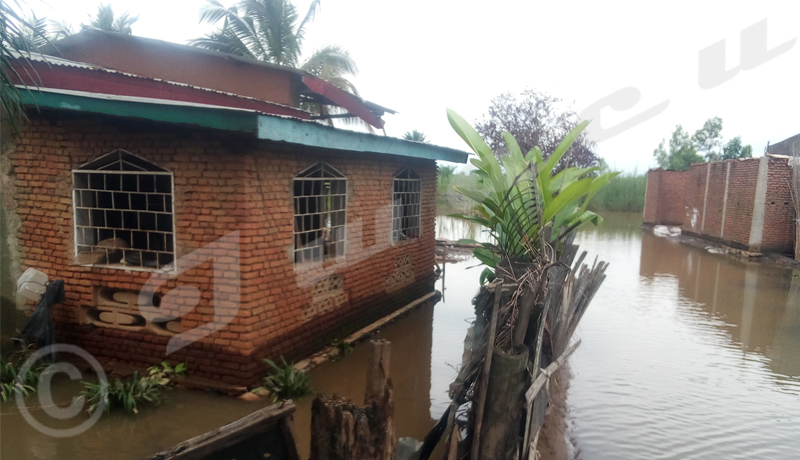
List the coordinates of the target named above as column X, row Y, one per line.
column 342, row 431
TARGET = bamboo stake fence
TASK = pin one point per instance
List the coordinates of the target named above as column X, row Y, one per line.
column 520, row 338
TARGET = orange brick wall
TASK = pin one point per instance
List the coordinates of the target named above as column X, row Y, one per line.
column 665, row 189
column 779, row 228
column 665, row 197
column 222, row 183
column 741, row 198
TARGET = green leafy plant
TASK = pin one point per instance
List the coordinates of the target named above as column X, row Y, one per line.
column 523, row 204
column 128, row 395
column 343, row 348
column 12, row 382
column 285, row 382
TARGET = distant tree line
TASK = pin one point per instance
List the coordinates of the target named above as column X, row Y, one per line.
column 705, row 144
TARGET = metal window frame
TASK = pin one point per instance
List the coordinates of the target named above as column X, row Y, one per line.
column 413, row 177
column 333, row 175
column 159, row 172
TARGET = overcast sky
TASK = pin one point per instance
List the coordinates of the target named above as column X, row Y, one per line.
column 421, row 57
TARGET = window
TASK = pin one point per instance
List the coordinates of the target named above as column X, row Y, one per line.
column 320, row 197
column 123, row 212
column 406, row 205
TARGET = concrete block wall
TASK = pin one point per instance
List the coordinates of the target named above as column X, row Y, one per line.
column 742, row 203
column 222, row 183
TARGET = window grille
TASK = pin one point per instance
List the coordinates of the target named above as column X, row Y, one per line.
column 320, row 199
column 123, row 212
column 406, row 205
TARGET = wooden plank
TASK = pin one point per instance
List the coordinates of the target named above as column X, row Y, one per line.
column 487, row 363
column 544, row 376
column 455, row 439
column 231, row 434
column 287, row 428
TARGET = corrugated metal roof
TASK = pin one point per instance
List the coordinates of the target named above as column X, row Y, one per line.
column 87, row 35
column 57, row 61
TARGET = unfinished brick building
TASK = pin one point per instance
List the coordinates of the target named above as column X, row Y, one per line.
column 746, row 204
column 216, row 227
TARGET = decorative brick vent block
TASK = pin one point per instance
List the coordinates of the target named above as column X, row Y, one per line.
column 119, row 309
column 403, row 274
column 328, row 295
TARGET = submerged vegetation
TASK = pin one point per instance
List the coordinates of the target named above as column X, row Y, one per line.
column 343, row 348
column 286, row 382
column 129, row 395
column 12, row 380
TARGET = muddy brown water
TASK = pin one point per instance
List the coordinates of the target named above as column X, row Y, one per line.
column 685, row 354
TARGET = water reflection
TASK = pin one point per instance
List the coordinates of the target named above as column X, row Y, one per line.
column 685, row 354
column 757, row 306
column 454, row 229
column 410, row 371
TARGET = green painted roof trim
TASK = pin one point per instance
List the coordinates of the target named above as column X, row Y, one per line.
column 318, row 135
column 209, row 117
column 263, row 126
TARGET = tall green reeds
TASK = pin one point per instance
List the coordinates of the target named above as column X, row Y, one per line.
column 624, row 193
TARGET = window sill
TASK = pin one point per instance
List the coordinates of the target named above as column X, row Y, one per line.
column 406, row 241
column 129, row 268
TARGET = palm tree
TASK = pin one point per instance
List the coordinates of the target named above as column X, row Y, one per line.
column 18, row 37
column 60, row 30
column 104, row 20
column 272, row 31
column 266, row 30
column 416, row 136
column 33, row 33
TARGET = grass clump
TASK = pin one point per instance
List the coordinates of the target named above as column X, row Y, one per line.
column 12, row 382
column 128, row 395
column 285, row 382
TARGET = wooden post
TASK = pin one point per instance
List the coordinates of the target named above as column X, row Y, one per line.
column 797, row 239
column 342, row 431
column 378, row 372
column 444, row 267
column 487, row 363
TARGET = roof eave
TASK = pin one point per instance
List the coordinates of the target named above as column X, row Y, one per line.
column 266, row 127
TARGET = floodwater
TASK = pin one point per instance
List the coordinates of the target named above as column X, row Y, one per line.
column 684, row 354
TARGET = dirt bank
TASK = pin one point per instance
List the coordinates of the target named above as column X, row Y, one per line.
column 552, row 444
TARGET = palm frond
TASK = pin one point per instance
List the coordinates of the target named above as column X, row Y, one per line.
column 329, row 62
column 60, row 30
column 18, row 38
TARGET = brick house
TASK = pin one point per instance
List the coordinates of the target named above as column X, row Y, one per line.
column 214, row 226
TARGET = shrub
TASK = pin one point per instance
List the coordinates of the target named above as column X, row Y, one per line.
column 285, row 382
column 129, row 394
column 11, row 382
